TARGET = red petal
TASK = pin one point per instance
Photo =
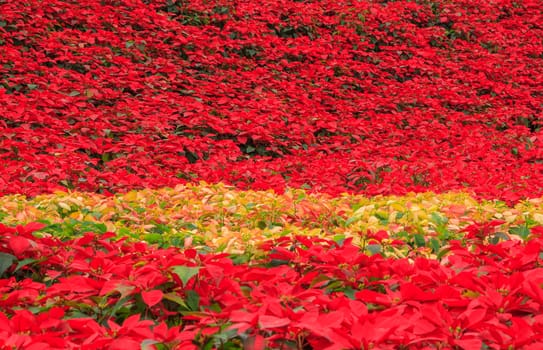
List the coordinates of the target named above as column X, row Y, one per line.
column 266, row 321
column 30, row 227
column 152, row 298
column 19, row 244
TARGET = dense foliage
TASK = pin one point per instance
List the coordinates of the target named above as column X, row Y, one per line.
column 259, row 270
column 92, row 292
column 221, row 219
column 382, row 159
column 361, row 96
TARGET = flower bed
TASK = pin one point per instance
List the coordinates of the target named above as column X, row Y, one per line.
column 220, row 218
column 366, row 97
column 271, row 175
column 262, row 270
column 93, row 292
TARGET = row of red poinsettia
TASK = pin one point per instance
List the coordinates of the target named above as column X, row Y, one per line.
column 374, row 97
column 93, row 292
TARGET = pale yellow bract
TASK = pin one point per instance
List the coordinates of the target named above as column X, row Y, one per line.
column 223, row 218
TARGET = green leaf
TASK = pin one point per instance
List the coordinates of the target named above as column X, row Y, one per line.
column 339, row 239
column 250, row 206
column 434, row 244
column 153, row 238
column 176, row 299
column 374, row 248
column 6, row 260
column 334, row 285
column 383, row 219
column 352, row 219
column 419, row 240
column 96, row 227
column 215, row 307
column 209, row 345
column 193, row 300
column 185, row 273
column 372, row 307
column 239, row 259
column 498, row 236
column 113, row 310
column 521, row 231
column 443, row 233
column 278, row 262
column 438, row 219
column 23, row 263
column 349, row 293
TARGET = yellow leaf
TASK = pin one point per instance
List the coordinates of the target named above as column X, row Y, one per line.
column 538, row 217
column 64, row 205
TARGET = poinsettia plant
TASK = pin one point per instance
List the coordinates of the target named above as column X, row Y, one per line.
column 367, row 97
column 334, row 96
column 96, row 292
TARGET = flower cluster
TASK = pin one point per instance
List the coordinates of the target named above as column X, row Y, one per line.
column 284, row 107
column 365, row 96
column 220, row 218
column 93, row 292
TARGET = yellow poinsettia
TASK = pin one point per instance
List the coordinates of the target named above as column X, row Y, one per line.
column 223, row 218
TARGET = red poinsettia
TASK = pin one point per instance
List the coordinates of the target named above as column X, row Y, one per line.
column 334, row 96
